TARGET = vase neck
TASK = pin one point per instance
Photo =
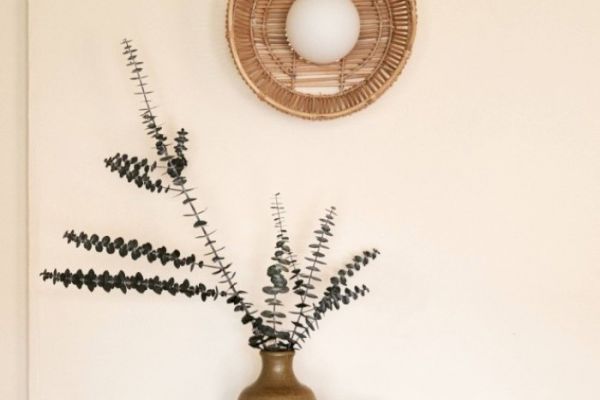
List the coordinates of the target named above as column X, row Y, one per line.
column 277, row 366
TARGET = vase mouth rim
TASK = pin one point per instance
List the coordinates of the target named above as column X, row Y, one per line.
column 277, row 353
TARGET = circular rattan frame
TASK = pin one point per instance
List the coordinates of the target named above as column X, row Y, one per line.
column 256, row 36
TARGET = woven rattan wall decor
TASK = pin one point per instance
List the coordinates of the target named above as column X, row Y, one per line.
column 256, row 31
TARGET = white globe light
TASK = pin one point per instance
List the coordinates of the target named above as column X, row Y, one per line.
column 323, row 31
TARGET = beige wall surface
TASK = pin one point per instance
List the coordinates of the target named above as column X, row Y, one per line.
column 13, row 209
column 477, row 174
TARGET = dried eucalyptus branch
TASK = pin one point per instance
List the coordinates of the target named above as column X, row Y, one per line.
column 132, row 248
column 283, row 259
column 125, row 283
column 175, row 167
column 334, row 295
column 304, row 281
column 137, row 171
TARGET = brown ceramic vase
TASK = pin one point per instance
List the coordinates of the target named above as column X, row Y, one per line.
column 277, row 380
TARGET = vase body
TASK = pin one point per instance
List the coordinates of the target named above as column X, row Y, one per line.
column 277, row 380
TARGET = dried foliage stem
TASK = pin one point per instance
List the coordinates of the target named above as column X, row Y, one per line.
column 327, row 222
column 284, row 260
column 279, row 225
column 178, row 179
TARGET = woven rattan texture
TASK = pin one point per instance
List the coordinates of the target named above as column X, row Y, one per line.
column 256, row 35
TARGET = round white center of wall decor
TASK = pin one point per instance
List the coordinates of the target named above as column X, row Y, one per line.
column 323, row 31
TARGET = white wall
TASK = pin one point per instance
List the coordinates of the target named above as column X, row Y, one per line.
column 477, row 175
column 13, row 202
